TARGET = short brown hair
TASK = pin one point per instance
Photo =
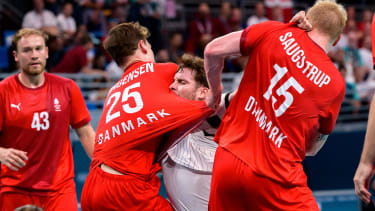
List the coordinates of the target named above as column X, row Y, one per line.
column 26, row 32
column 197, row 65
column 123, row 39
column 328, row 17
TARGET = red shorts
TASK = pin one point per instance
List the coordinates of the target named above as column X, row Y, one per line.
column 62, row 200
column 105, row 191
column 234, row 186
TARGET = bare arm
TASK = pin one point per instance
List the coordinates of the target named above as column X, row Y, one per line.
column 365, row 170
column 229, row 45
column 316, row 144
column 214, row 55
column 87, row 136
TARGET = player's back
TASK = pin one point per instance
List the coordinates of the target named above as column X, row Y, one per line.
column 289, row 92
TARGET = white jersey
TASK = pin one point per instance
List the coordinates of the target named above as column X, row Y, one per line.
column 197, row 150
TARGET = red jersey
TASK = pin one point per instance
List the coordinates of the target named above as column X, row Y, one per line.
column 37, row 121
column 139, row 110
column 290, row 90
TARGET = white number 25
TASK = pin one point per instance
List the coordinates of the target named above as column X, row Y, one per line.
column 114, row 98
column 283, row 90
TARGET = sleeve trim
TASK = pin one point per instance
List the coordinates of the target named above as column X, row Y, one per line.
column 81, row 123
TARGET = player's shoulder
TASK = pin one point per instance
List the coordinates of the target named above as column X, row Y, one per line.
column 8, row 81
column 271, row 23
column 166, row 69
column 337, row 80
column 167, row 65
column 340, row 79
column 56, row 79
column 268, row 26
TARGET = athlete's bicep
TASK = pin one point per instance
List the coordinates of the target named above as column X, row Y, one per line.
column 228, row 45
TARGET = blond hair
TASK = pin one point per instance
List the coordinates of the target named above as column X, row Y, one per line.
column 123, row 39
column 328, row 17
column 27, row 32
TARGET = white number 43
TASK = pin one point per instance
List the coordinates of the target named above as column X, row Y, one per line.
column 37, row 123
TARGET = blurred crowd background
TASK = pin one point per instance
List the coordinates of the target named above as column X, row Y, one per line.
column 77, row 29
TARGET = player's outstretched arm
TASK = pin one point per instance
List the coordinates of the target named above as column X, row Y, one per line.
column 365, row 169
column 214, row 55
column 87, row 136
column 13, row 158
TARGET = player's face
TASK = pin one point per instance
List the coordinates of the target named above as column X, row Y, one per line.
column 31, row 54
column 184, row 84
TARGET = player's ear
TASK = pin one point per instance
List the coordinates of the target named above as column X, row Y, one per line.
column 47, row 52
column 202, row 93
column 338, row 39
column 15, row 56
column 142, row 46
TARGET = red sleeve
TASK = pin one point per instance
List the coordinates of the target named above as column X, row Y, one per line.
column 373, row 39
column 252, row 35
column 79, row 115
column 328, row 120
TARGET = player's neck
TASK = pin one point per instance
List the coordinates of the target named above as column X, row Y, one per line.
column 31, row 81
column 133, row 59
column 320, row 39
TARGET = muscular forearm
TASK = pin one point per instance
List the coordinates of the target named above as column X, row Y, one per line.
column 214, row 66
column 368, row 153
column 87, row 136
column 214, row 55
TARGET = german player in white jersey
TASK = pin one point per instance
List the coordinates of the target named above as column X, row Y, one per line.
column 188, row 167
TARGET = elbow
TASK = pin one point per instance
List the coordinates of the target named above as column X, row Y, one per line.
column 212, row 49
column 311, row 153
column 209, row 50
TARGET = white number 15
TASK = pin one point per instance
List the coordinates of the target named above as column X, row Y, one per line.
column 283, row 90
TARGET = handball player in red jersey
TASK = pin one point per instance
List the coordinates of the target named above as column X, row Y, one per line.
column 286, row 105
column 36, row 110
column 138, row 113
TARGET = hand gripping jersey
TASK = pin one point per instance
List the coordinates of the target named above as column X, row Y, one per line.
column 37, row 121
column 139, row 110
column 290, row 90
